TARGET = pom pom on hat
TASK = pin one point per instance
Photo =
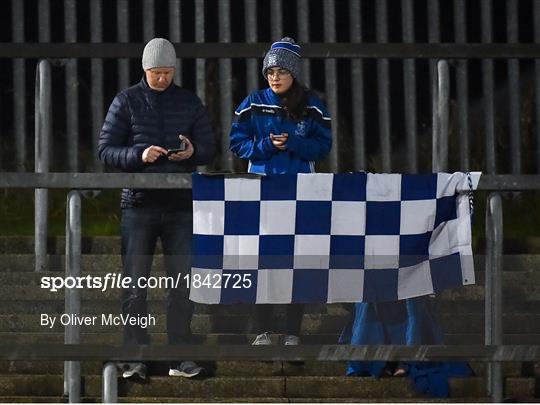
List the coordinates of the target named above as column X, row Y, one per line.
column 158, row 52
column 286, row 54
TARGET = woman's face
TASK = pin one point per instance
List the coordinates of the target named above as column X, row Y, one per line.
column 280, row 80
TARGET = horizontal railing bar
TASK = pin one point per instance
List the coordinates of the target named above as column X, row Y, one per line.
column 509, row 182
column 95, row 180
column 52, row 352
column 500, row 182
column 257, row 50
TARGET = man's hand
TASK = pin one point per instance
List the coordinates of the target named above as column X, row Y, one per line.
column 280, row 141
column 186, row 154
column 152, row 153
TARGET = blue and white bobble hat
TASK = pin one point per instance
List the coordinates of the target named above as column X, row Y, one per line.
column 285, row 54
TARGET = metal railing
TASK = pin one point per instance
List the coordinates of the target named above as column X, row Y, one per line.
column 493, row 291
column 374, row 36
column 493, row 353
column 73, row 244
column 496, row 352
column 43, row 127
column 72, row 369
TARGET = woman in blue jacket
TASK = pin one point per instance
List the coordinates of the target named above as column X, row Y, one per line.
column 282, row 129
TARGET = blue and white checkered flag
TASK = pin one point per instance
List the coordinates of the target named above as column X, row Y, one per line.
column 307, row 238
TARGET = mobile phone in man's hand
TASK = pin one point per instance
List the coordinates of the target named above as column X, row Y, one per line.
column 180, row 148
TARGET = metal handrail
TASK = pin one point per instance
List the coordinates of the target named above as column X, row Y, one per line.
column 43, row 128
column 493, row 290
column 44, row 180
column 246, row 352
column 72, row 369
column 98, row 181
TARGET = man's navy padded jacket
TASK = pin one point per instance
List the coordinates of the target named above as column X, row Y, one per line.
column 140, row 117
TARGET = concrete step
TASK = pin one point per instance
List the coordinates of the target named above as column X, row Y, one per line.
column 321, row 387
column 218, row 368
column 157, row 338
column 201, row 323
column 111, row 244
column 185, row 400
column 230, row 368
column 107, row 262
column 17, row 299
column 306, row 400
column 160, row 338
column 57, row 245
column 232, row 323
column 521, row 289
column 155, row 306
column 302, row 387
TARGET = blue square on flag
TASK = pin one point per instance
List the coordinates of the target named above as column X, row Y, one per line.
column 446, row 210
column 208, row 187
column 276, row 251
column 347, row 252
column 413, row 249
column 383, row 217
column 238, row 286
column 314, row 217
column 207, row 251
column 278, row 187
column 418, row 186
column 380, row 285
column 446, row 272
column 310, row 285
column 242, row 217
column 349, row 187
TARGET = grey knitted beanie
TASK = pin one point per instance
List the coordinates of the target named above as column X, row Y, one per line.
column 285, row 54
column 158, row 52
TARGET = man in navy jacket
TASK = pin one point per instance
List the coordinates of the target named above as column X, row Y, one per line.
column 143, row 123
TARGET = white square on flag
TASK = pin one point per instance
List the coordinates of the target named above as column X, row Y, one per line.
column 278, row 217
column 242, row 189
column 314, row 188
column 348, row 218
column 208, row 217
column 311, row 251
column 411, row 220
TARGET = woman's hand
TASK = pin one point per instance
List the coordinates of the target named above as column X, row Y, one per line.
column 279, row 141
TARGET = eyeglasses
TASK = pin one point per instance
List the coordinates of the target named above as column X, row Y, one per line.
column 277, row 73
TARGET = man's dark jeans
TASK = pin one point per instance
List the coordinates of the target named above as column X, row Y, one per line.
column 141, row 228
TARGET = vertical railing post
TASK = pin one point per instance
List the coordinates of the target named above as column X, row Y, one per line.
column 72, row 369
column 409, row 87
column 302, row 22
column 72, row 89
column 19, row 87
column 488, row 84
column 110, row 384
column 357, row 87
column 200, row 63
column 96, row 69
column 175, row 34
column 225, row 85
column 441, row 95
column 43, row 127
column 493, row 291
column 462, row 86
column 122, row 35
column 383, row 87
column 331, row 81
column 253, row 72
